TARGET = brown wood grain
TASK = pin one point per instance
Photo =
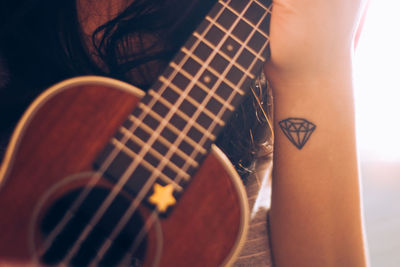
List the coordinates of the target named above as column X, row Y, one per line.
column 64, row 137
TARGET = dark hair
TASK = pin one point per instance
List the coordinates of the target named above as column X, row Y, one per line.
column 41, row 43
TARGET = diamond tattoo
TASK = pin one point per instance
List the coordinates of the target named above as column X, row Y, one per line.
column 297, row 130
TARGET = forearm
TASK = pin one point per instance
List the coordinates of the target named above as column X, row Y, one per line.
column 315, row 215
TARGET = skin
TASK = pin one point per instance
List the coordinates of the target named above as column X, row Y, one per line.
column 315, row 216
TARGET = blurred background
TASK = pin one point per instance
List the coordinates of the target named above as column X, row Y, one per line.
column 377, row 81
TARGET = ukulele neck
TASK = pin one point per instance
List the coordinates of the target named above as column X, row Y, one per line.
column 172, row 129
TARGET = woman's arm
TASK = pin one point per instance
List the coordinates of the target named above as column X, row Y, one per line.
column 315, row 215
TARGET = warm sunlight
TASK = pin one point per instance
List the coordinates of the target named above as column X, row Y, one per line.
column 377, row 74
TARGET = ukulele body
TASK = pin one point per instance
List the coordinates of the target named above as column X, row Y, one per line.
column 51, row 154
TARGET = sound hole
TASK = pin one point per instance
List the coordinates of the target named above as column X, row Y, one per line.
column 119, row 248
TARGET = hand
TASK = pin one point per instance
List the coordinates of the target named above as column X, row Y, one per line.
column 310, row 37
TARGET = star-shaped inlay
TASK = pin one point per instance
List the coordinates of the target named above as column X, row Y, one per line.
column 162, row 197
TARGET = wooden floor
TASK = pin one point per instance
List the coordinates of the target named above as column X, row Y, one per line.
column 381, row 185
column 381, row 195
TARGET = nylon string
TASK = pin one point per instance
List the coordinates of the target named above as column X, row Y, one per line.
column 116, row 190
column 151, row 219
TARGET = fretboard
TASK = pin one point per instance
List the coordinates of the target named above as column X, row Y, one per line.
column 172, row 129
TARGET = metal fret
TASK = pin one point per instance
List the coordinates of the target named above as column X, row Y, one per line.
column 219, row 60
column 245, row 59
column 185, row 117
column 191, row 65
column 162, row 146
column 215, row 72
column 226, row 19
column 216, row 10
column 154, row 153
column 265, row 6
column 253, row 14
column 164, row 140
column 220, row 93
column 194, row 102
column 248, row 20
column 117, row 171
column 256, row 42
column 214, row 34
column 171, row 95
column 237, row 5
column 174, row 129
column 203, row 86
column 202, row 50
column 242, row 30
column 235, row 38
column 255, row 64
column 146, row 164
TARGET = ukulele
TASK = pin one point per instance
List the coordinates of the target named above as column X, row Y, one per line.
column 98, row 173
